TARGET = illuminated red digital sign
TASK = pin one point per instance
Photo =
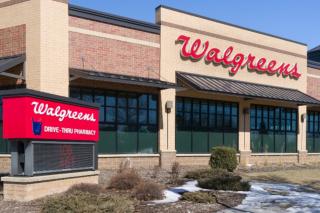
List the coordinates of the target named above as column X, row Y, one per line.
column 198, row 50
column 41, row 119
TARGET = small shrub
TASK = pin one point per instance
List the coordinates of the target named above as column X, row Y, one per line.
column 83, row 202
column 223, row 158
column 84, row 187
column 244, row 186
column 175, row 173
column 228, row 182
column 148, row 191
column 199, row 197
column 198, row 174
column 206, row 173
column 125, row 180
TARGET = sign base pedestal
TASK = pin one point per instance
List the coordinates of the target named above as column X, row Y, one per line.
column 31, row 188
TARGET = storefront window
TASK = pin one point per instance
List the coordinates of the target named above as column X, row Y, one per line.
column 273, row 129
column 203, row 124
column 313, row 132
column 128, row 121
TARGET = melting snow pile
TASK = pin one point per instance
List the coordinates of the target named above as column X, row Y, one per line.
column 263, row 197
column 276, row 197
column 174, row 194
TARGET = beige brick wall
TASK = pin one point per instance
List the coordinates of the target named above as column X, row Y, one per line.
column 103, row 162
column 112, row 29
column 20, row 191
column 313, row 158
column 6, row 3
column 5, row 163
column 106, row 163
column 47, row 40
column 167, row 159
column 264, row 160
column 136, row 162
column 193, row 161
column 189, row 160
column 54, row 47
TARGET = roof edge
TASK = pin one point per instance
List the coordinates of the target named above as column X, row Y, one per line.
column 314, row 100
column 239, row 81
column 103, row 17
column 122, row 78
column 12, row 61
column 315, row 49
column 232, row 25
column 47, row 96
column 313, row 64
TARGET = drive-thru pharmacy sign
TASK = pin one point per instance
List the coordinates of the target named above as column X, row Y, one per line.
column 26, row 117
column 198, row 50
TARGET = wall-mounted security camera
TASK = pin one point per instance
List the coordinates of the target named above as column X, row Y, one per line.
column 303, row 117
column 169, row 106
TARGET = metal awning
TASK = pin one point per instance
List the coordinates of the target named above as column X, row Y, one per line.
column 9, row 62
column 124, row 79
column 243, row 89
column 314, row 64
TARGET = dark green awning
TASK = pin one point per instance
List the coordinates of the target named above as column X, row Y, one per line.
column 11, row 61
column 244, row 89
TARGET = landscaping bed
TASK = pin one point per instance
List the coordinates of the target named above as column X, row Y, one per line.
column 292, row 174
column 162, row 177
column 130, row 190
column 227, row 199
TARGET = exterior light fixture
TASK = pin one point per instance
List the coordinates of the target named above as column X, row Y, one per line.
column 303, row 117
column 169, row 105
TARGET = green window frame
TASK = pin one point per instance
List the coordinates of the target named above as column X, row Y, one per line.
column 128, row 120
column 313, row 132
column 273, row 129
column 202, row 124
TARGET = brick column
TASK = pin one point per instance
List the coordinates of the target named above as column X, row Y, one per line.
column 167, row 121
column 244, row 133
column 302, row 134
column 46, row 24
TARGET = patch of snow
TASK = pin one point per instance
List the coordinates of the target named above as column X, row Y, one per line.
column 173, row 194
column 190, row 186
column 262, row 198
column 169, row 197
column 276, row 197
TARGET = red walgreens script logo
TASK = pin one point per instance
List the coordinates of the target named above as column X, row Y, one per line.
column 198, row 50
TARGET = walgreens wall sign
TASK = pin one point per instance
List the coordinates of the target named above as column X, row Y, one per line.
column 35, row 118
column 198, row 49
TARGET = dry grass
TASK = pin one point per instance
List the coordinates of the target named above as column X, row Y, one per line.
column 125, row 180
column 147, row 190
column 84, row 202
column 85, row 187
column 308, row 177
column 199, row 197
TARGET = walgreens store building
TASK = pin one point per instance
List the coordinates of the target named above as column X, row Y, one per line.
column 168, row 91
